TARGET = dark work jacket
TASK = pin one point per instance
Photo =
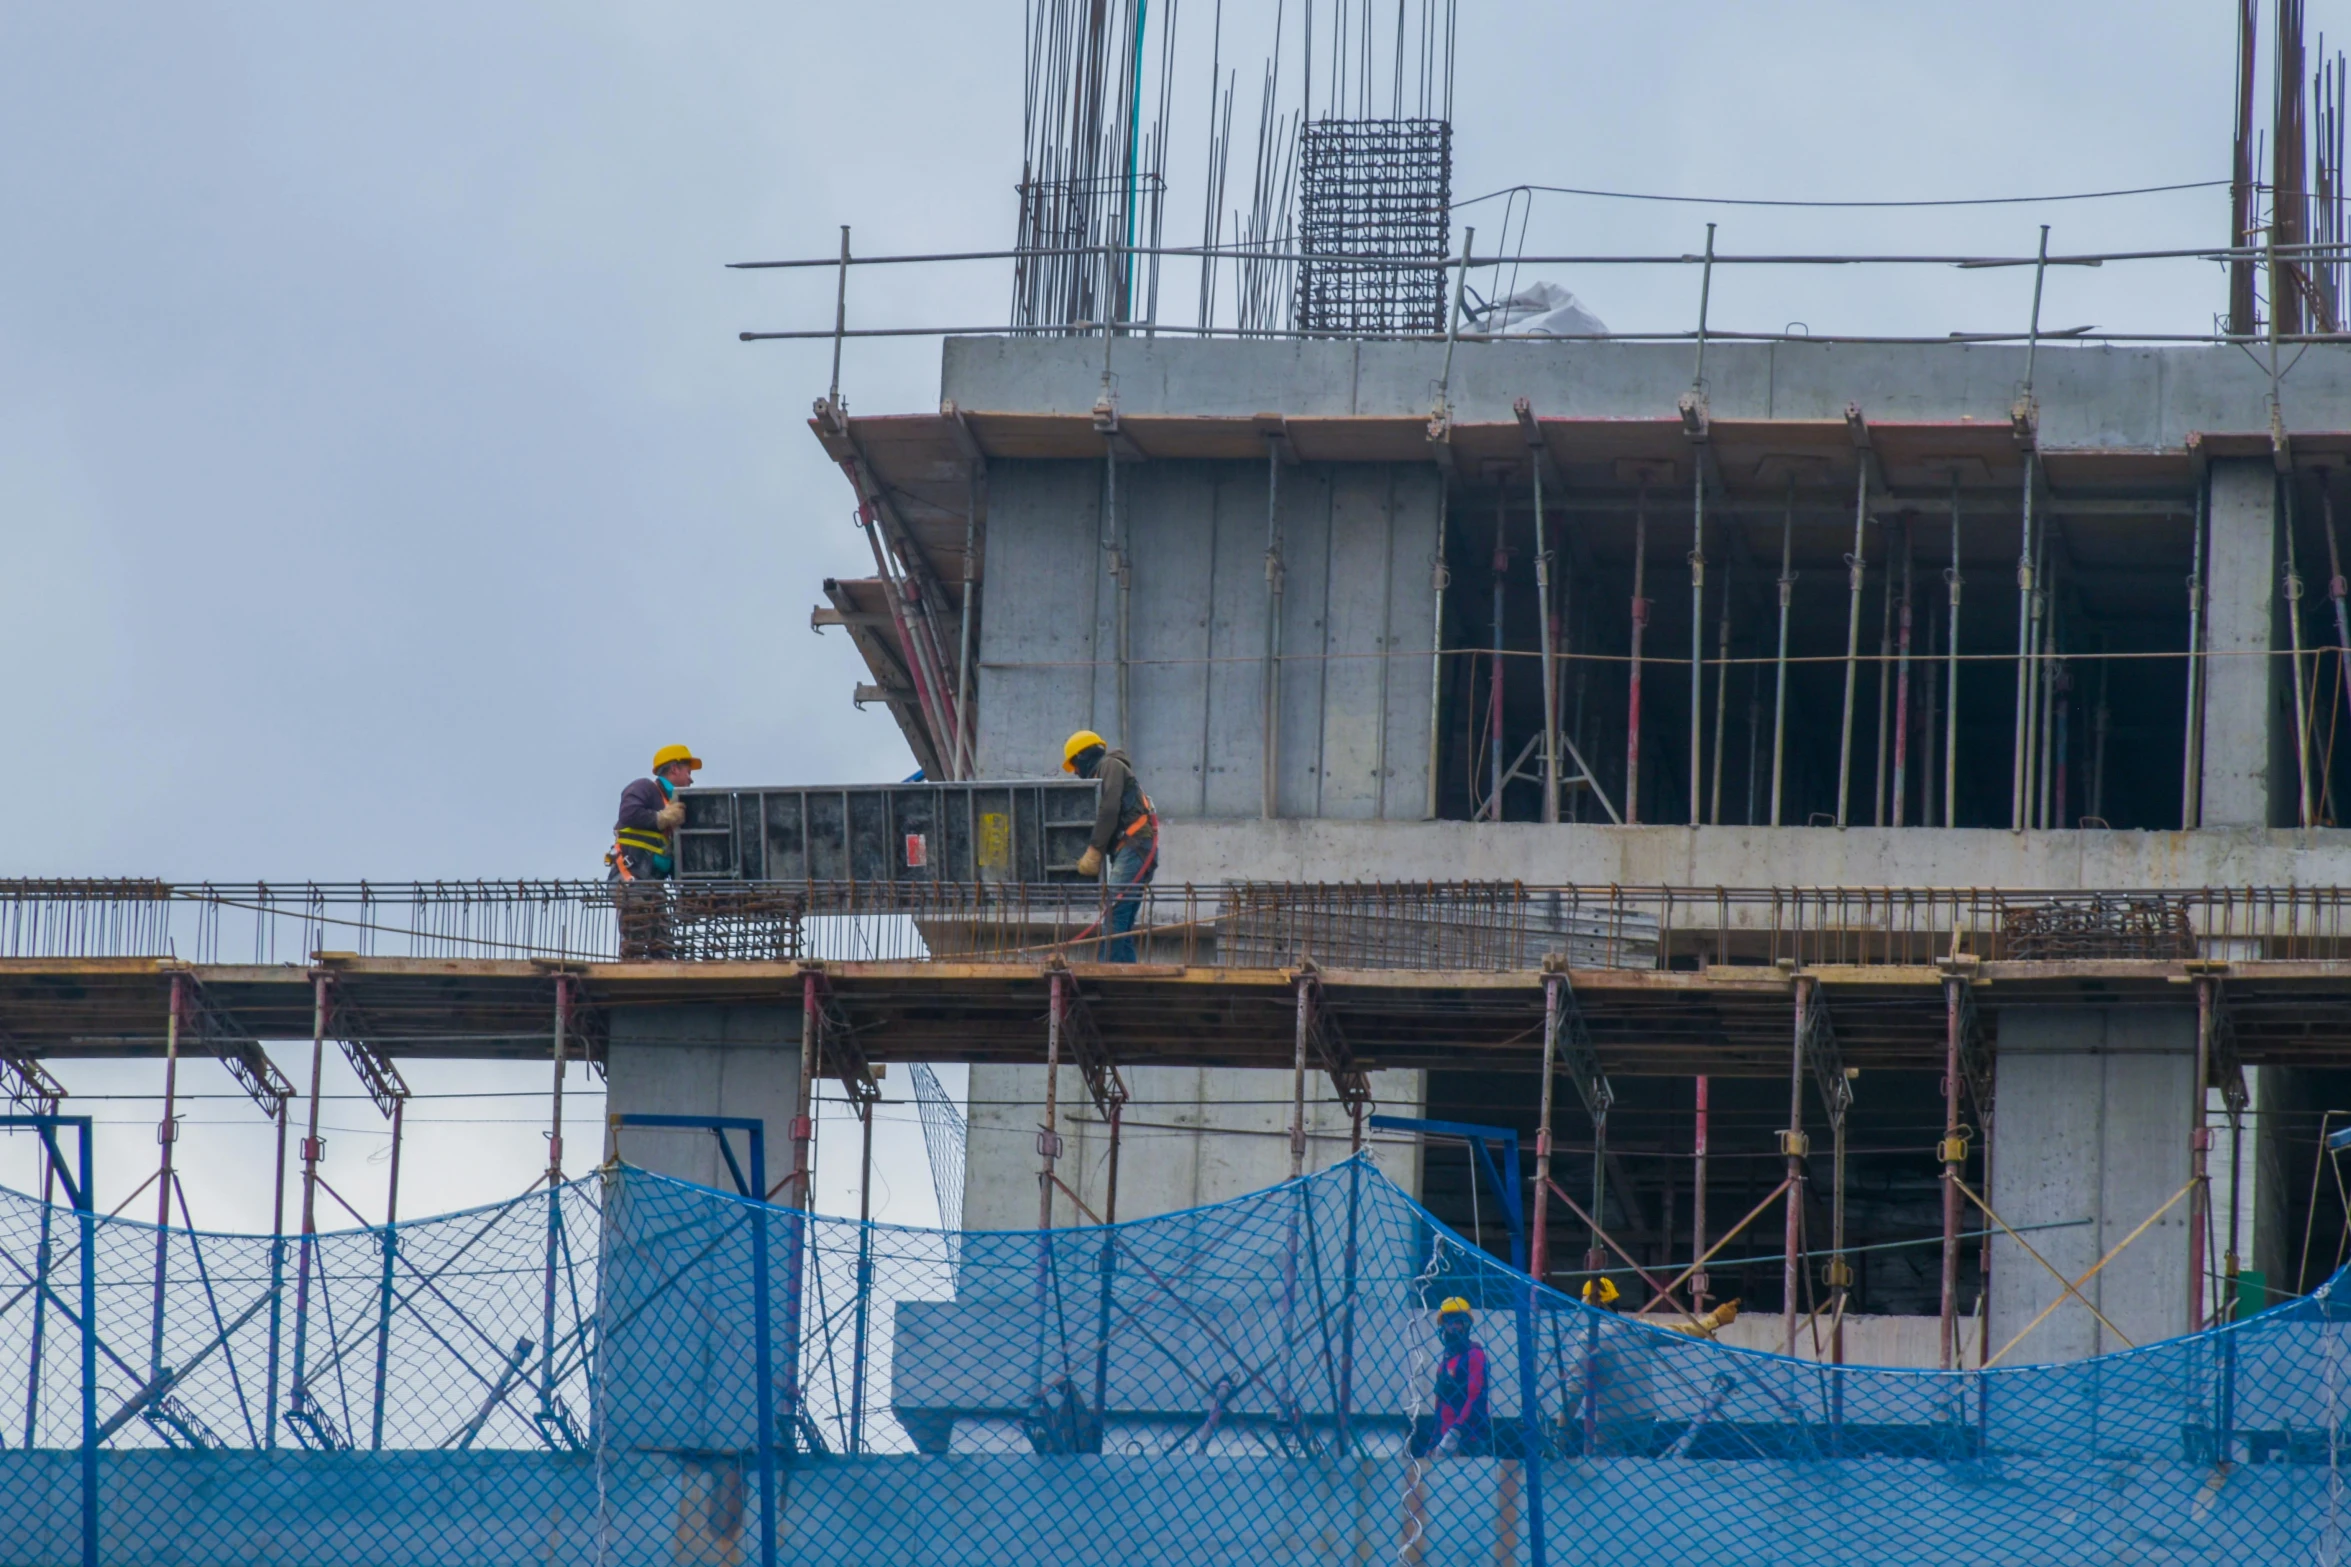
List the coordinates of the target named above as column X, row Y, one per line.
column 638, row 804
column 1122, row 801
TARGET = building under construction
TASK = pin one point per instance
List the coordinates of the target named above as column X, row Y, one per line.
column 1841, row 826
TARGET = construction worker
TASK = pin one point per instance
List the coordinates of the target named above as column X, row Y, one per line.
column 650, row 813
column 1126, row 833
column 1464, row 1425
column 1601, row 1293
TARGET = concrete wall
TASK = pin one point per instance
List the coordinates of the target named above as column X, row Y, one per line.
column 733, row 1061
column 1357, row 544
column 2089, row 396
column 2092, row 1114
column 1912, row 1342
column 1206, row 851
column 1164, row 1162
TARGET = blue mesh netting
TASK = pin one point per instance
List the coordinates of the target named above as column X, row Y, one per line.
column 573, row 1377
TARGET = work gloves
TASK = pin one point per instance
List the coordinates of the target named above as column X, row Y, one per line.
column 671, row 815
column 1090, row 862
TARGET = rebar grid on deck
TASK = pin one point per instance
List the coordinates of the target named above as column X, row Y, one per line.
column 1478, row 926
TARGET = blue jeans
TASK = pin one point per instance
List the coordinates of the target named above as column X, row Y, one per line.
column 1131, row 866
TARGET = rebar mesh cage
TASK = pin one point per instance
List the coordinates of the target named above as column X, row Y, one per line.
column 1382, row 190
column 2094, row 927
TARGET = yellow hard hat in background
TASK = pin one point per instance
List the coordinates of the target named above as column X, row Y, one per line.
column 1600, row 1292
column 1077, row 745
column 1452, row 1304
column 674, row 753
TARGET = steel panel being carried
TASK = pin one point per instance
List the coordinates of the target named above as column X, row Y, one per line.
column 1018, row 831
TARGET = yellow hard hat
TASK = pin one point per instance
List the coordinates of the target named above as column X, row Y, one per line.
column 1600, row 1292
column 675, row 753
column 1076, row 745
column 1452, row 1304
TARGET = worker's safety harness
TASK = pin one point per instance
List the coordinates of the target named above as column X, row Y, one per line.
column 645, row 840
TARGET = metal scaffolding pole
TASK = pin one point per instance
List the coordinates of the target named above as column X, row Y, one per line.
column 2027, row 617
column 965, row 767
column 1305, row 1023
column 1545, row 619
column 1953, row 1155
column 1539, row 1245
column 2199, row 1154
column 1271, row 700
column 2025, row 417
column 1722, row 693
column 1498, row 768
column 1795, row 1146
column 1440, row 578
column 166, row 1134
column 804, row 1101
column 322, row 989
column 1879, row 778
column 1779, row 706
column 1632, row 741
column 2192, row 726
column 1902, row 690
column 1049, row 1133
column 2293, row 591
column 1700, row 1284
column 1697, row 635
column 1854, row 572
column 1954, row 579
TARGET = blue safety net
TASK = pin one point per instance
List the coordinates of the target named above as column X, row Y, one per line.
column 633, row 1369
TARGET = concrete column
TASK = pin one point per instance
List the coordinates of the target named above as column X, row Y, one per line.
column 1192, row 1136
column 2243, row 783
column 2093, row 1112
column 719, row 1060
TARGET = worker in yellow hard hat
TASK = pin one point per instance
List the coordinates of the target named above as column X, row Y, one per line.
column 1601, row 1292
column 1125, row 840
column 1464, row 1426
column 644, row 836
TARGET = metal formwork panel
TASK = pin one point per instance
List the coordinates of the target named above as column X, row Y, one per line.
column 1027, row 830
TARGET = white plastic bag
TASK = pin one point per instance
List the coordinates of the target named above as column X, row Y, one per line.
column 1542, row 309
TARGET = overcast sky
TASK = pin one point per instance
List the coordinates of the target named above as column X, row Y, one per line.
column 382, row 479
